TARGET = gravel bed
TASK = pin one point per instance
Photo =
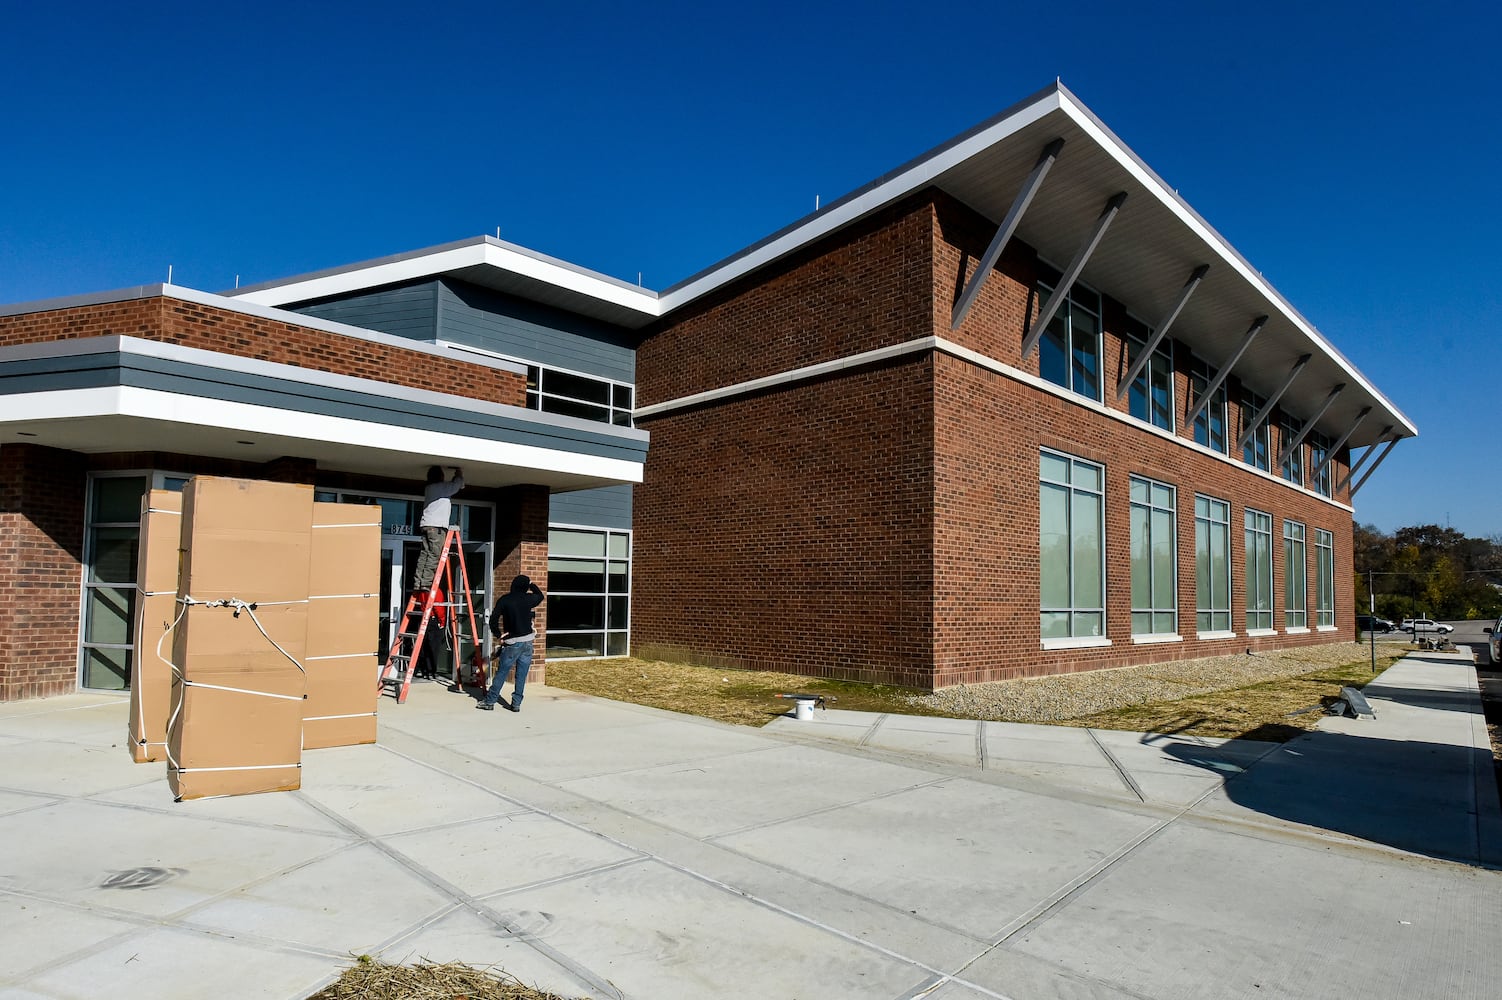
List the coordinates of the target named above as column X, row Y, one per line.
column 1070, row 696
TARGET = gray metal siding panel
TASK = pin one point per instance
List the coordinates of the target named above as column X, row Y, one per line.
column 606, row 507
column 116, row 368
column 410, row 311
column 494, row 321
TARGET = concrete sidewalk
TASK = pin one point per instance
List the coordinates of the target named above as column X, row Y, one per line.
column 608, row 850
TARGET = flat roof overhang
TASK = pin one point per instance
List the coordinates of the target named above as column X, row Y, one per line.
column 122, row 394
column 1153, row 245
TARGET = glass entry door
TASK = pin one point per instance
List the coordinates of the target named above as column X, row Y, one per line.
column 392, row 592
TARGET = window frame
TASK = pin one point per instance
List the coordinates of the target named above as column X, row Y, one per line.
column 1295, row 576
column 1319, row 448
column 1258, row 450
column 1073, row 303
column 1324, row 579
column 1201, row 374
column 1151, row 506
column 1075, row 610
column 620, row 634
column 1292, row 469
column 1204, row 525
column 1258, row 562
column 1160, row 363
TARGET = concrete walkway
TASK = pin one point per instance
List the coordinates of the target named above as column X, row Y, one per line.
column 609, row 850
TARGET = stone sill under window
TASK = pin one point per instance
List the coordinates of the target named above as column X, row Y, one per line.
column 1259, row 632
column 1150, row 638
column 1297, row 630
column 1215, row 635
column 1077, row 642
column 1328, row 628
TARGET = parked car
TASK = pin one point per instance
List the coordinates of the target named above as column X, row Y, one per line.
column 1417, row 625
column 1368, row 623
column 1494, row 643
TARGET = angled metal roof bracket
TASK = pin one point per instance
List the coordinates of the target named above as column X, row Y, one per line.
column 1385, row 452
column 1225, row 370
column 1334, row 449
column 1081, row 257
column 1298, row 438
column 1272, row 401
column 1004, row 232
column 1356, row 467
column 1162, row 331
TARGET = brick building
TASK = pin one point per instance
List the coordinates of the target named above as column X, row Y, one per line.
column 1012, row 409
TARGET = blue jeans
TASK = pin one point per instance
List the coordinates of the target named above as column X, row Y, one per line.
column 514, row 655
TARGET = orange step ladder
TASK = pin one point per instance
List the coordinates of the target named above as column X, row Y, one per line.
column 422, row 606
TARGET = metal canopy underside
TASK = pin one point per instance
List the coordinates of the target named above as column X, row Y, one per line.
column 1143, row 259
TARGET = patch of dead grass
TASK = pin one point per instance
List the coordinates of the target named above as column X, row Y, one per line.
column 1275, row 711
column 369, row 979
column 739, row 697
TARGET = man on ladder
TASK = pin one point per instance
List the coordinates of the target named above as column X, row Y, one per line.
column 436, row 512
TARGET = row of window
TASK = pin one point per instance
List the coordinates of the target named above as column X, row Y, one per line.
column 1070, row 353
column 1072, row 572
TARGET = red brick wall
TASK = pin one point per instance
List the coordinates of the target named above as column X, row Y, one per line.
column 868, row 288
column 521, row 547
column 882, row 524
column 41, row 548
column 990, row 431
column 176, row 321
column 792, row 530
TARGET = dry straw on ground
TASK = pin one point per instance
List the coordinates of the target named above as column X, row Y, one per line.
column 372, row 980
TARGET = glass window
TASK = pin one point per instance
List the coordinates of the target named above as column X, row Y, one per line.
column 1155, row 605
column 1071, row 537
column 1210, row 422
column 1293, row 466
column 1254, row 453
column 109, row 600
column 1295, row 579
column 1324, row 578
column 589, row 592
column 1069, row 350
column 1150, row 396
column 571, row 394
column 1259, row 570
column 1212, row 564
column 1319, row 468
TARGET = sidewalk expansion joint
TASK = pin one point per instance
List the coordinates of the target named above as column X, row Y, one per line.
column 1121, row 772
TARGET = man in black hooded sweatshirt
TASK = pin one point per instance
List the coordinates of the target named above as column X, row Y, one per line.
column 511, row 622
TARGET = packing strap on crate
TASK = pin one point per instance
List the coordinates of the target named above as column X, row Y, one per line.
column 142, row 592
column 236, row 606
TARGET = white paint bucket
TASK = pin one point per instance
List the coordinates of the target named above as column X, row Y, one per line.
column 803, row 709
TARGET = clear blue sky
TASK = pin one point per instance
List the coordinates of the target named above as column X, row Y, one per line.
column 1349, row 150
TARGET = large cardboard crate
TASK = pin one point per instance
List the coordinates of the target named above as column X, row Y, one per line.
column 238, row 696
column 343, row 663
column 156, row 607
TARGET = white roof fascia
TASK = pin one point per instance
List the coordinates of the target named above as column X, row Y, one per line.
column 1129, row 162
column 913, row 178
column 486, row 252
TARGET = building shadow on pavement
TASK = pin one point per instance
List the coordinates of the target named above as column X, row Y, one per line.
column 1415, row 796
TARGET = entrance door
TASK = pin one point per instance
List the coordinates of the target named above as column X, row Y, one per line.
column 391, row 591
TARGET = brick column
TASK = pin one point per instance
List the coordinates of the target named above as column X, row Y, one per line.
column 521, row 547
column 42, row 495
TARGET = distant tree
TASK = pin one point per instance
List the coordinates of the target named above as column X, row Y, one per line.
column 1429, row 570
